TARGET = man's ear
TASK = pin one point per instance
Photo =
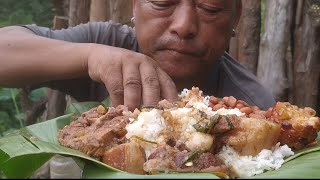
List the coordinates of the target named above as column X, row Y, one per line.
column 238, row 13
column 134, row 2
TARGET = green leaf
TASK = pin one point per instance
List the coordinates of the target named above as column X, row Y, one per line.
column 16, row 151
column 19, row 116
column 36, row 94
column 90, row 171
column 27, row 165
column 5, row 94
column 47, row 131
column 4, row 124
column 16, row 145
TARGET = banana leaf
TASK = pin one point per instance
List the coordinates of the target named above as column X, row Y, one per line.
column 25, row 150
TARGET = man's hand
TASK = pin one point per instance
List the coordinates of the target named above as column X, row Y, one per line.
column 131, row 78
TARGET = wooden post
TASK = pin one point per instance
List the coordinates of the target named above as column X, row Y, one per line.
column 273, row 47
column 116, row 10
column 60, row 22
column 306, row 70
column 78, row 12
column 99, row 10
column 245, row 46
column 120, row 11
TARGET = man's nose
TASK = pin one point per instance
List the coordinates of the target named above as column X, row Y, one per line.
column 184, row 22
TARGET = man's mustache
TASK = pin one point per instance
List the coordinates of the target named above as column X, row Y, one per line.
column 189, row 47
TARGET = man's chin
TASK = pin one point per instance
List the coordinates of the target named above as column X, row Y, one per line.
column 178, row 69
column 176, row 73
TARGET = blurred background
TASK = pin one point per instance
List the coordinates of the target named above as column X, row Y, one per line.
column 278, row 41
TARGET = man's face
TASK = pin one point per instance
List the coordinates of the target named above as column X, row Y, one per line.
column 184, row 36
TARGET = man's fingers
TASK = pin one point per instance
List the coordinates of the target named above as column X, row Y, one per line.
column 114, row 85
column 150, row 84
column 132, row 86
column 137, row 80
column 168, row 88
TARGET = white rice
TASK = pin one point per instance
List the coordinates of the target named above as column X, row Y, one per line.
column 246, row 166
column 184, row 93
column 148, row 126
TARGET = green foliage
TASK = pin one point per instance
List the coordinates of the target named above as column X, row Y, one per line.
column 11, row 116
column 2, row 176
column 263, row 14
column 13, row 12
column 8, row 111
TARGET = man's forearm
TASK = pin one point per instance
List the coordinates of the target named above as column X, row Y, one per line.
column 26, row 58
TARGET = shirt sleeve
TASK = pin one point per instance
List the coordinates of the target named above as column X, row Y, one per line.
column 107, row 33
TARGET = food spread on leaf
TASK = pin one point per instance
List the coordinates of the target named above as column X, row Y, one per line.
column 224, row 136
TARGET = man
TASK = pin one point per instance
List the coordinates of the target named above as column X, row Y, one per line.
column 175, row 44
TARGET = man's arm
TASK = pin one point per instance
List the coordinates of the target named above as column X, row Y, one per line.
column 130, row 78
column 26, row 58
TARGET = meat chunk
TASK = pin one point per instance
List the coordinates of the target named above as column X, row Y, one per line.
column 251, row 136
column 161, row 158
column 206, row 160
column 128, row 157
column 167, row 158
column 299, row 126
column 225, row 124
column 95, row 131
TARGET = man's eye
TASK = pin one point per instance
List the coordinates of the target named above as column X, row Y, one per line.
column 209, row 9
column 162, row 4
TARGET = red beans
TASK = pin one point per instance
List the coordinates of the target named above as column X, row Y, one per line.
column 214, row 100
column 246, row 110
column 225, row 99
column 217, row 106
column 239, row 105
column 230, row 102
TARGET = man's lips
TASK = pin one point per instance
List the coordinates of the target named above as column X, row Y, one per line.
column 185, row 51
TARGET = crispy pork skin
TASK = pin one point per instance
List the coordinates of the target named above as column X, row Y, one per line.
column 252, row 135
column 299, row 126
column 128, row 157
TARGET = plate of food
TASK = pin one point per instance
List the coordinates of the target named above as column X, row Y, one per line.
column 196, row 137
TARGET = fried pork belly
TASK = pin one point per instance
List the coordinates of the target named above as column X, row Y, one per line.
column 96, row 131
column 299, row 127
column 251, row 136
column 128, row 157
